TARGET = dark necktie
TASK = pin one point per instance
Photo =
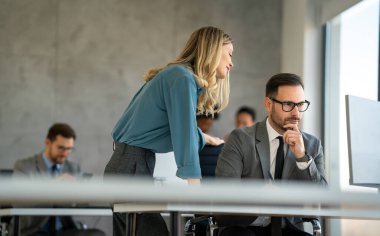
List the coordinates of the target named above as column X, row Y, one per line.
column 54, row 170
column 276, row 221
column 54, row 221
column 279, row 159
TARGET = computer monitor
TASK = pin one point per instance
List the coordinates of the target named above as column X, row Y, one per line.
column 363, row 134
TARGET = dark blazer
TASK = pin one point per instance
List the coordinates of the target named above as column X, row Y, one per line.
column 34, row 167
column 208, row 157
column 246, row 155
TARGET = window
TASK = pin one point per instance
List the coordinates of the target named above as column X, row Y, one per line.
column 352, row 61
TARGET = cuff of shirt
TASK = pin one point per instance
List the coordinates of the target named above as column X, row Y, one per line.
column 189, row 172
column 304, row 162
column 202, row 140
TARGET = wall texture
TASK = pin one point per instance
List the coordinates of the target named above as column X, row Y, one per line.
column 81, row 61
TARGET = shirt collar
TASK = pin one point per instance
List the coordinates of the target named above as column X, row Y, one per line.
column 272, row 134
column 48, row 163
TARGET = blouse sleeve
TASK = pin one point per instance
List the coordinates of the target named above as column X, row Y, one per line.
column 180, row 98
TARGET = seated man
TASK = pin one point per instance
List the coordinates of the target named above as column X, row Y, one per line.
column 208, row 156
column 53, row 163
column 273, row 149
column 205, row 122
column 245, row 116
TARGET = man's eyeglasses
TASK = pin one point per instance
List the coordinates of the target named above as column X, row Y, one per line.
column 289, row 106
column 63, row 149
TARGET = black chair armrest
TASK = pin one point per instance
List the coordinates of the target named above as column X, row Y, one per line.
column 191, row 224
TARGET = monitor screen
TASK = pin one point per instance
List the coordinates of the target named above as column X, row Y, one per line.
column 363, row 134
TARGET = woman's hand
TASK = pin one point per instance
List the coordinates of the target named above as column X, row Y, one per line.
column 214, row 141
column 193, row 181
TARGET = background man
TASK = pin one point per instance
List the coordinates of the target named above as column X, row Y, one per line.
column 208, row 156
column 273, row 149
column 52, row 163
column 245, row 116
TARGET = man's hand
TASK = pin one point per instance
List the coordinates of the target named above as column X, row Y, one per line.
column 65, row 177
column 293, row 138
column 214, row 141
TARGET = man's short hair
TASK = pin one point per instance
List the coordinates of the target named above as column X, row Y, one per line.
column 62, row 129
column 208, row 116
column 248, row 110
column 281, row 80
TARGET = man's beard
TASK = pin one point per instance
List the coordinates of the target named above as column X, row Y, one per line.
column 288, row 120
column 56, row 159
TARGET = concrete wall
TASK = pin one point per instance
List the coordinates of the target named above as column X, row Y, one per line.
column 81, row 61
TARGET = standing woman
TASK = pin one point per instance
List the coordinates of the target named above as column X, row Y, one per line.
column 162, row 117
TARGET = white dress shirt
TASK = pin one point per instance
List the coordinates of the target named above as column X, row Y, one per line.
column 273, row 146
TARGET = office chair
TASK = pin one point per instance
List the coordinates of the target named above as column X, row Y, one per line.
column 6, row 173
column 5, row 220
column 208, row 157
column 213, row 228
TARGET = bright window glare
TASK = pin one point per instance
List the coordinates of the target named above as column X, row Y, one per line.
column 359, row 49
column 358, row 65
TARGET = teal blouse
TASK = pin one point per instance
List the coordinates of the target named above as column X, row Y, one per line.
column 162, row 118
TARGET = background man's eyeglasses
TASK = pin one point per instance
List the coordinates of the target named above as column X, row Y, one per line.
column 289, row 106
column 63, row 149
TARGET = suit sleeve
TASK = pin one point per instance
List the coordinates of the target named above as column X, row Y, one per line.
column 315, row 172
column 73, row 169
column 230, row 162
column 317, row 166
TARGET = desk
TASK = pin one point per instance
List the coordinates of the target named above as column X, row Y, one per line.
column 17, row 212
column 249, row 209
column 279, row 202
column 217, row 197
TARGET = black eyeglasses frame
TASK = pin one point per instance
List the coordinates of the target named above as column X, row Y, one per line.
column 300, row 104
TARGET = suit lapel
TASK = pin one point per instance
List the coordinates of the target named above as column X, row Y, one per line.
column 262, row 146
column 40, row 165
column 65, row 168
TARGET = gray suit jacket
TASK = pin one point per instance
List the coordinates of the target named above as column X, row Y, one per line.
column 34, row 167
column 246, row 156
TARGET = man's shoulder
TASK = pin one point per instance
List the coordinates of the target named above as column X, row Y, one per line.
column 243, row 133
column 251, row 130
column 27, row 165
column 71, row 167
column 27, row 160
column 71, row 163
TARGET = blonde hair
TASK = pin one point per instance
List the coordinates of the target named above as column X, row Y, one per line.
column 202, row 53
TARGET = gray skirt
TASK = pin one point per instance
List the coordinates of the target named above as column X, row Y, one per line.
column 131, row 161
column 128, row 160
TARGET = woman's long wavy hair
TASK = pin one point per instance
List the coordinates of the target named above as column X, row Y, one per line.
column 202, row 54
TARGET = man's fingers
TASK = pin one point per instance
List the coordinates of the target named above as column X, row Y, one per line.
column 293, row 127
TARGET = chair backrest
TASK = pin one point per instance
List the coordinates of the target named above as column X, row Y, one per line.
column 208, row 157
column 6, row 173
